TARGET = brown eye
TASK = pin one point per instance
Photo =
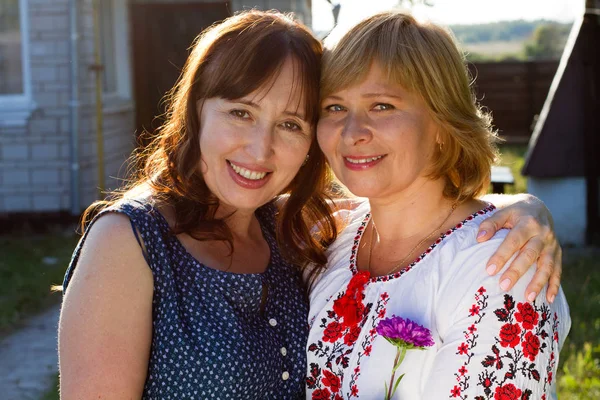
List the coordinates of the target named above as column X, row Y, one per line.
column 242, row 114
column 291, row 126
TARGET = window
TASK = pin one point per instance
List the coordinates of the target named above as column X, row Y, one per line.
column 107, row 45
column 11, row 44
column 16, row 103
column 113, row 18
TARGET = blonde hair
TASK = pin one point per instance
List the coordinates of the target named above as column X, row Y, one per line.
column 424, row 59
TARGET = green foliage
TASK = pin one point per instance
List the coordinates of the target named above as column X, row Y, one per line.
column 53, row 393
column 548, row 41
column 579, row 369
column 475, row 57
column 496, row 31
column 26, row 279
column 512, row 40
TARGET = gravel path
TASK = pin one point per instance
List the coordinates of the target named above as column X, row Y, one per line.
column 28, row 358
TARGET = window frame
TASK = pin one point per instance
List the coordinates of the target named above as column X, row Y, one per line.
column 122, row 95
column 15, row 109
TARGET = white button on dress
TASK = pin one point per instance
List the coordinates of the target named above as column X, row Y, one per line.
column 272, row 322
column 285, row 376
column 283, row 351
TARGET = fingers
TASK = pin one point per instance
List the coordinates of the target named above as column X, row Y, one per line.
column 489, row 227
column 554, row 284
column 514, row 240
column 525, row 259
column 539, row 280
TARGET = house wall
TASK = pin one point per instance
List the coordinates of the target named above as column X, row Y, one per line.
column 302, row 8
column 35, row 169
column 117, row 112
column 34, row 157
column 566, row 199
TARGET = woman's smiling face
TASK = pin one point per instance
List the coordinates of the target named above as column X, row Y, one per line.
column 254, row 146
column 378, row 137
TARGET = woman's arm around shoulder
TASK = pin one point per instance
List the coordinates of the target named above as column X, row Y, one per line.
column 495, row 343
column 105, row 327
column 531, row 236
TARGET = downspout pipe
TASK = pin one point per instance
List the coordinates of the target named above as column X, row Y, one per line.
column 591, row 63
column 74, row 106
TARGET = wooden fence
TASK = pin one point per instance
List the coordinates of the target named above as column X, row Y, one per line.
column 514, row 92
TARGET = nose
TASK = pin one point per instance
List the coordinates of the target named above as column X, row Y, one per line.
column 356, row 130
column 260, row 146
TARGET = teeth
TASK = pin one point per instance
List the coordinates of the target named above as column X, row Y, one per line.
column 246, row 173
column 363, row 160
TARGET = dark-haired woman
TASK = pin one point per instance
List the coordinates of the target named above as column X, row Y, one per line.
column 178, row 288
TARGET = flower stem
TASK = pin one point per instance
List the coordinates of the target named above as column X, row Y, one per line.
column 400, row 354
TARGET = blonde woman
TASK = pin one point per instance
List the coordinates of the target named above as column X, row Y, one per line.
column 400, row 127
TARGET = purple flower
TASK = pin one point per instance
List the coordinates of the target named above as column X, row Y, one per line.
column 401, row 331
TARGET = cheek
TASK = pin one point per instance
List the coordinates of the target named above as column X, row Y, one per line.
column 326, row 137
column 293, row 151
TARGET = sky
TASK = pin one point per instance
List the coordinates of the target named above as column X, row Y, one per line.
column 449, row 12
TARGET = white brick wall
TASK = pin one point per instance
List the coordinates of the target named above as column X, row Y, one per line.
column 34, row 160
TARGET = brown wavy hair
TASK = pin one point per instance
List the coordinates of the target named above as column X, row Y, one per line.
column 230, row 60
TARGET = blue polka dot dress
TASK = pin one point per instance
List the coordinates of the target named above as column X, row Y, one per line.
column 219, row 335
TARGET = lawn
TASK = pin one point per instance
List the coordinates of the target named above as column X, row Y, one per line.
column 29, row 266
column 579, row 370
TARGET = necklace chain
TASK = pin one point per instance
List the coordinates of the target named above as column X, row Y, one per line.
column 401, row 262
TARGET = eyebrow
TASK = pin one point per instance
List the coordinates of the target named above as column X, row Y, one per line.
column 255, row 105
column 368, row 96
column 382, row 94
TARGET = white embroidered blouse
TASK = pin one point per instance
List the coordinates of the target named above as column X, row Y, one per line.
column 489, row 344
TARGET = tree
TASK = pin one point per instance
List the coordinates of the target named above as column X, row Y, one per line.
column 413, row 2
column 548, row 42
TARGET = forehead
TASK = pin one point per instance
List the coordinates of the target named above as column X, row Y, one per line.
column 285, row 87
column 375, row 79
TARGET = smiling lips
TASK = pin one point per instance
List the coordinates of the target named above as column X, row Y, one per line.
column 360, row 163
column 254, row 178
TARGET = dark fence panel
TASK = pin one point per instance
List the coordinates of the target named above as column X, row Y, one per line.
column 514, row 92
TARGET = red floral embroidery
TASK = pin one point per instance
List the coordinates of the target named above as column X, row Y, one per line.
column 527, row 315
column 507, row 392
column 474, row 310
column 332, row 332
column 352, row 336
column 321, row 394
column 509, row 335
column 455, row 392
column 331, row 381
column 522, row 336
column 345, row 320
column 531, row 346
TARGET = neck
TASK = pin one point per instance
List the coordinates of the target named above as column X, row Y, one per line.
column 241, row 223
column 411, row 212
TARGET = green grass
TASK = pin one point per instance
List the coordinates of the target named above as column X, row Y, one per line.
column 579, row 370
column 26, row 278
column 53, row 393
column 512, row 156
